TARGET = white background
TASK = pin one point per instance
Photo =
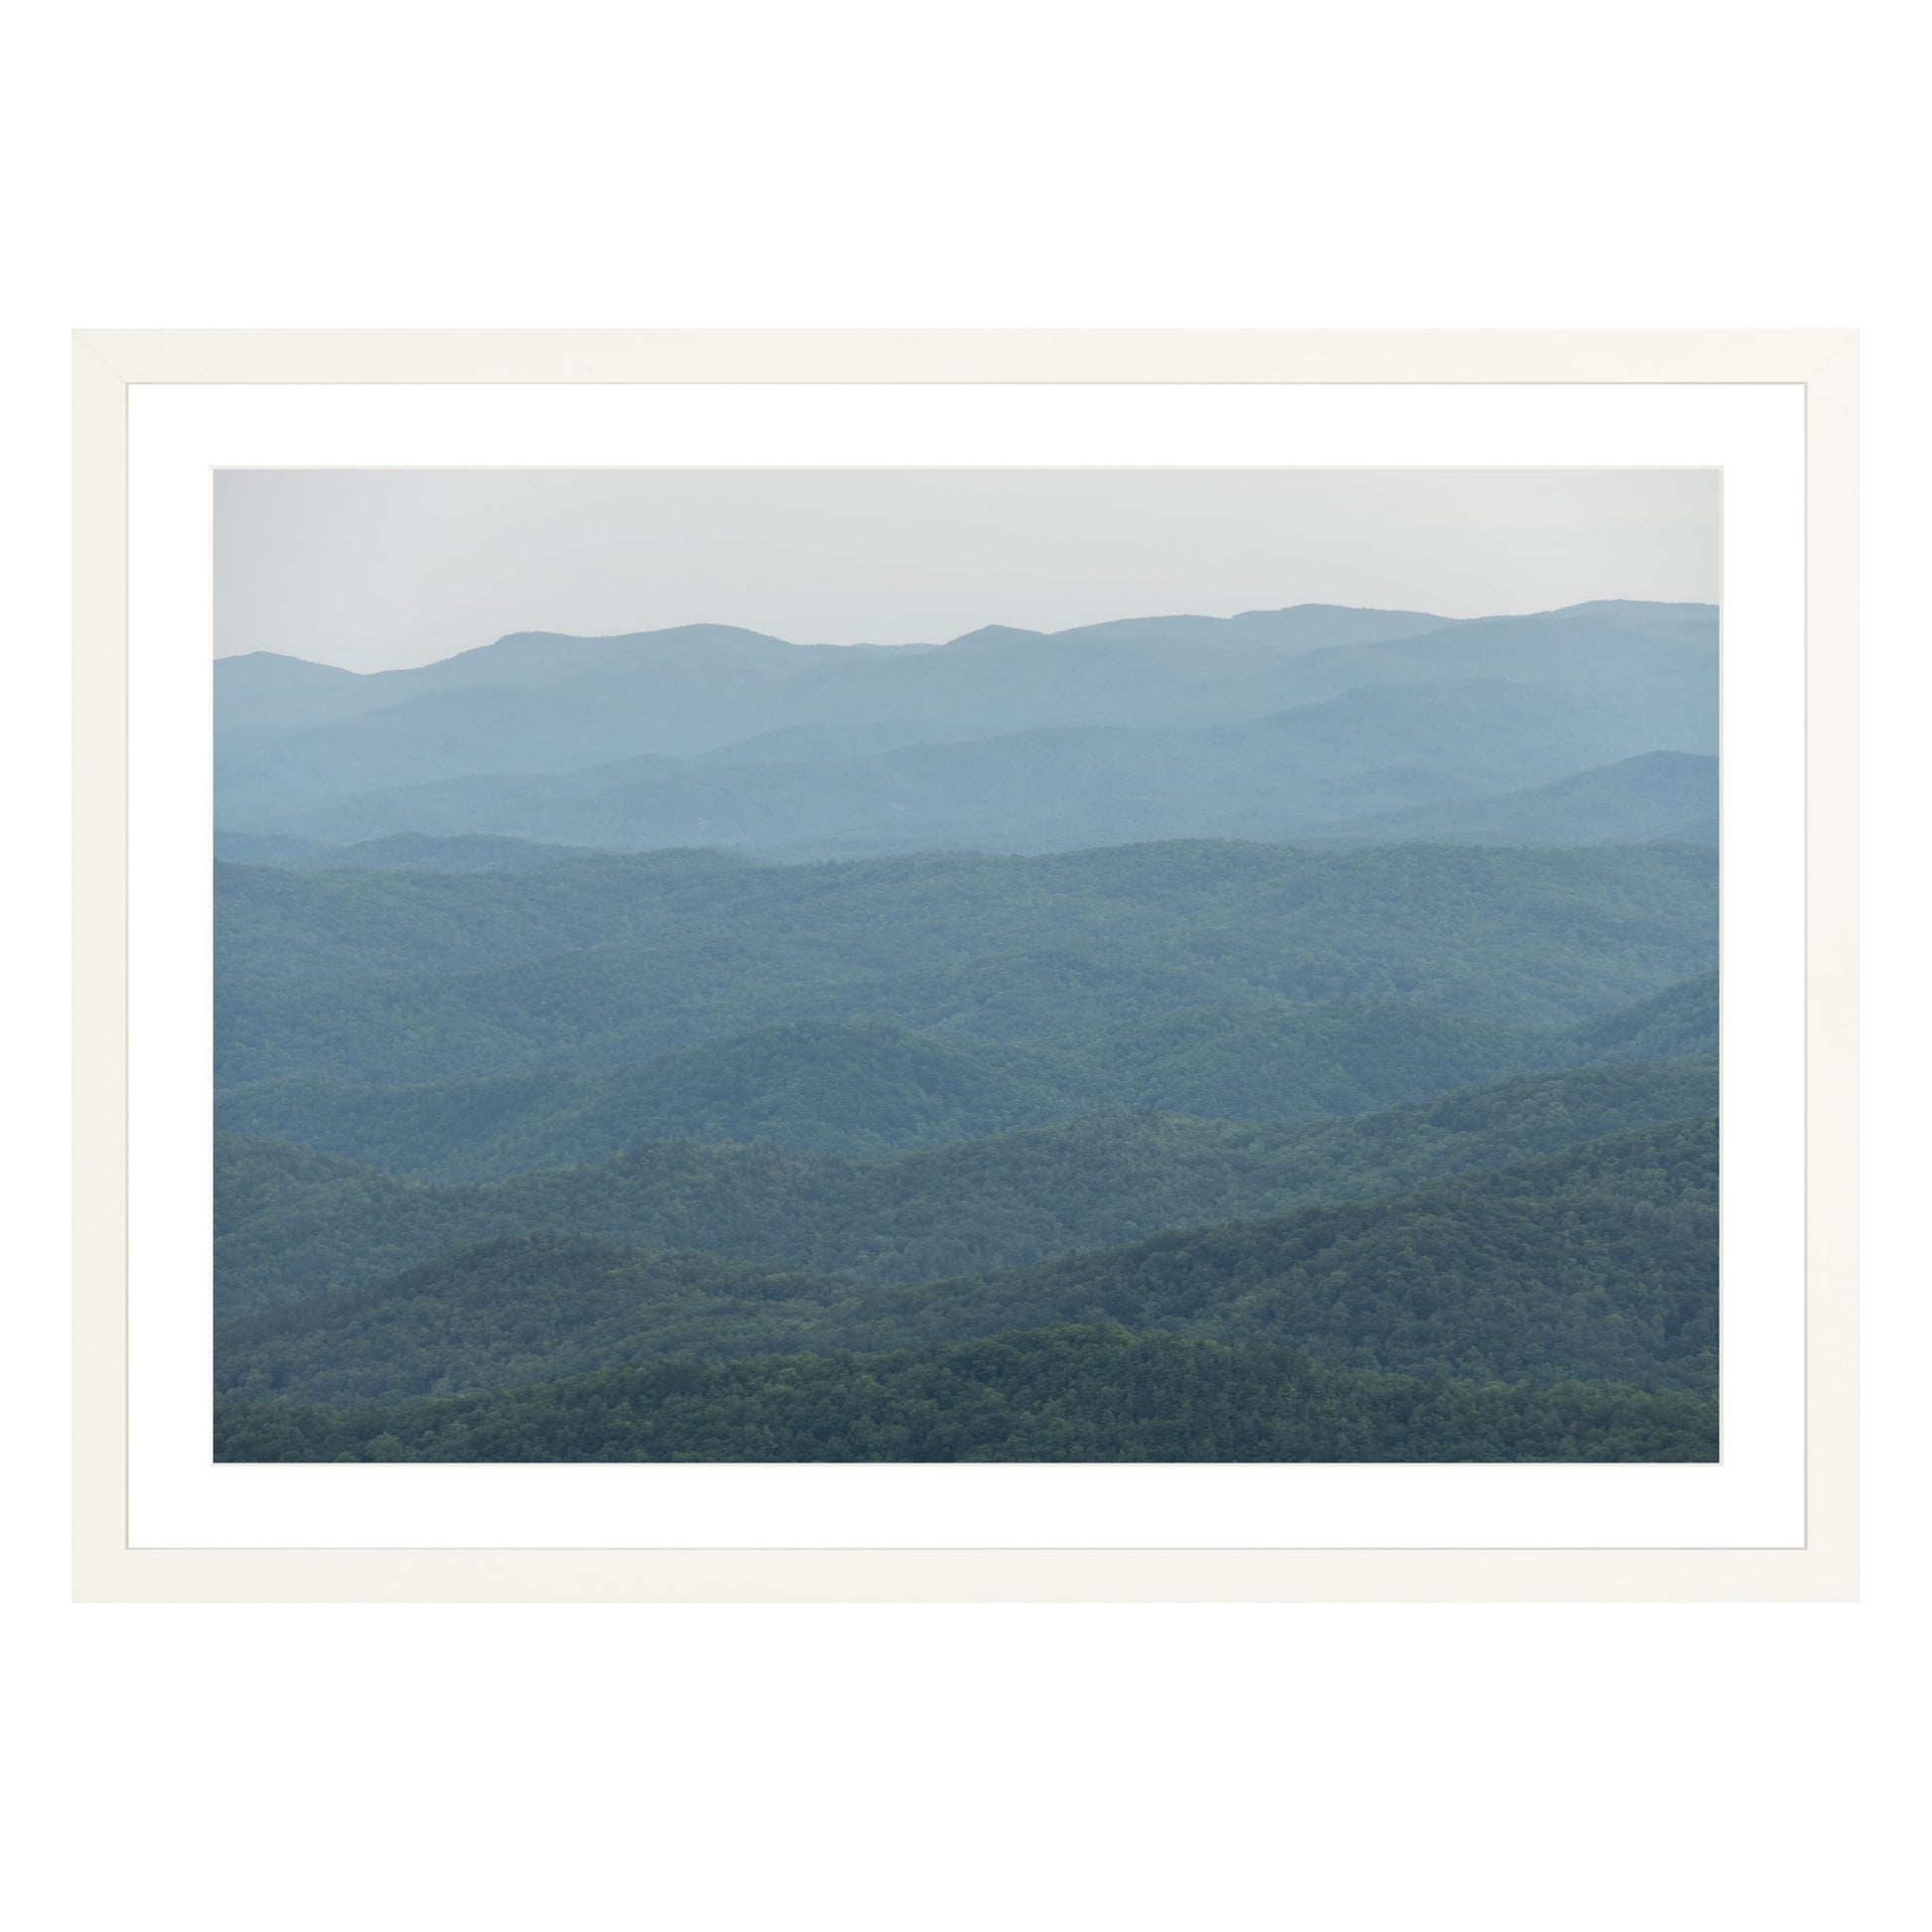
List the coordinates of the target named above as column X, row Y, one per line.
column 1352, row 1767
column 1754, row 1499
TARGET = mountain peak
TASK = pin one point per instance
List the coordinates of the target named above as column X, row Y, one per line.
column 995, row 636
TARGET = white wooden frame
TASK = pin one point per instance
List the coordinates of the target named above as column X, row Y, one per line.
column 109, row 362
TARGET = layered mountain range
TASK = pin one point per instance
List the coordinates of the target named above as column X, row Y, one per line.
column 1313, row 720
column 1284, row 1037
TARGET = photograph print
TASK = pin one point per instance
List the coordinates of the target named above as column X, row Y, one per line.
column 966, row 965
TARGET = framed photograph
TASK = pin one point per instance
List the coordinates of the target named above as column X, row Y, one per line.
column 985, row 965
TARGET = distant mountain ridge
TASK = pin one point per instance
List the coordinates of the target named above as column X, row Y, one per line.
column 1267, row 723
column 1057, row 788
column 1657, row 795
column 253, row 688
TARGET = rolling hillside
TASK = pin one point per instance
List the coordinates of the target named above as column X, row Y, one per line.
column 1454, row 1278
column 825, row 1088
column 957, row 944
column 291, row 1222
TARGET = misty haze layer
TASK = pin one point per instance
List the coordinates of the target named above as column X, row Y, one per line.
column 1314, row 722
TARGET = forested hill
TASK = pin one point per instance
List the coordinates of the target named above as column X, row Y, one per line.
column 1454, row 1278
column 1057, row 1395
column 1679, row 1020
column 831, row 1088
column 291, row 1222
column 274, row 922
column 1003, row 949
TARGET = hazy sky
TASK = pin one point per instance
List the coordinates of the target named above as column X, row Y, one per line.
column 374, row 568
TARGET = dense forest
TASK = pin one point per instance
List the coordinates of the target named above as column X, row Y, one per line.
column 1057, row 1395
column 960, row 945
column 1290, row 1036
column 291, row 1221
column 1593, row 1261
column 830, row 1088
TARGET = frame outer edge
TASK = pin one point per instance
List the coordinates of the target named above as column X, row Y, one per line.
column 1024, row 355
column 99, row 968
column 1831, row 891
column 106, row 362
